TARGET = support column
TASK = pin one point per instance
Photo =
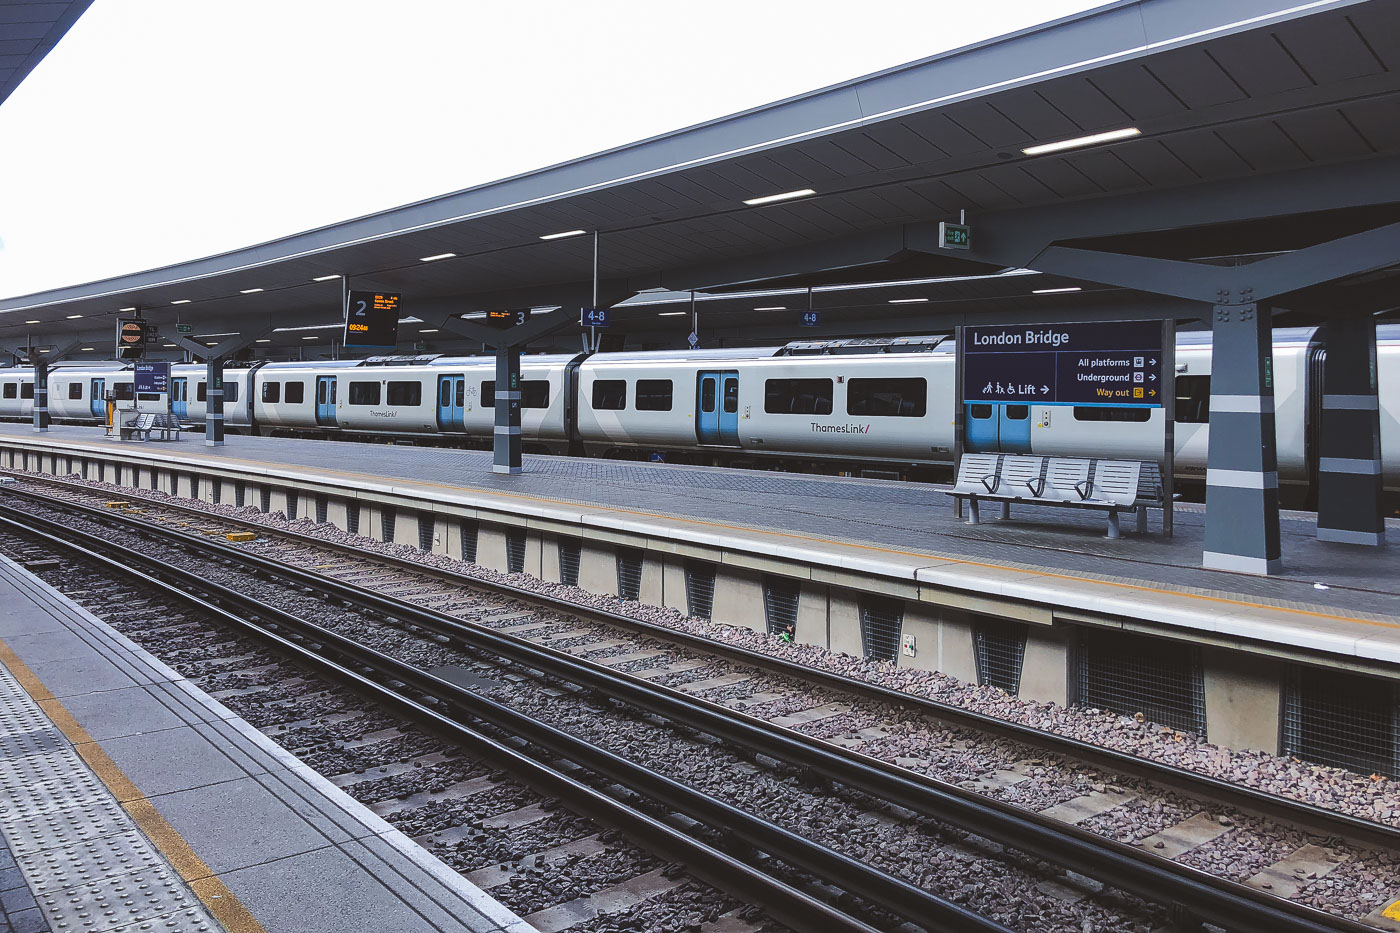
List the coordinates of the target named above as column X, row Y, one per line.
column 506, row 458
column 41, row 392
column 1349, row 481
column 1242, row 531
column 214, row 401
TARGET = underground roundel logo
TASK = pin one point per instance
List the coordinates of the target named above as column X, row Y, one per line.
column 133, row 333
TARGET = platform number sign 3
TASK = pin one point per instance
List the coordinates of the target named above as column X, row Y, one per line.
column 372, row 320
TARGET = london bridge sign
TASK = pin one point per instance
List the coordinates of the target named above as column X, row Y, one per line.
column 1113, row 363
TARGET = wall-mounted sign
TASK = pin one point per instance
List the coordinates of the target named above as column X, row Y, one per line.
column 594, row 317
column 151, row 377
column 954, row 236
column 1114, row 363
column 372, row 320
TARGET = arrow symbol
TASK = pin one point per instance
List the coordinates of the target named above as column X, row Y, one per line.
column 1152, row 392
column 1153, row 377
column 1151, row 362
column 1045, row 390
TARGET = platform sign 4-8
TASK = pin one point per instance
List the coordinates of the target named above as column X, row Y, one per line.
column 1114, row 364
column 811, row 318
column 372, row 320
column 594, row 317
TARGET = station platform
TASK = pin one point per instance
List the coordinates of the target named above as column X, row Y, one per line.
column 132, row 801
column 1337, row 599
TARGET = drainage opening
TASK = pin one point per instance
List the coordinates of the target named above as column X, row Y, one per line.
column 240, row 495
column 265, row 499
column 322, row 506
column 1341, row 719
column 780, row 596
column 700, row 588
column 388, row 522
column 570, row 550
column 1130, row 673
column 352, row 517
column 469, row 529
column 425, row 531
column 629, row 573
column 515, row 551
column 881, row 619
column 1001, row 652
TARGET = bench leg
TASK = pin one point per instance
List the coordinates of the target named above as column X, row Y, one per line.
column 957, row 507
column 974, row 516
column 1142, row 519
column 1113, row 531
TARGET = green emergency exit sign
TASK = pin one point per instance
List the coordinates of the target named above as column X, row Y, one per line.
column 184, row 328
column 954, row 236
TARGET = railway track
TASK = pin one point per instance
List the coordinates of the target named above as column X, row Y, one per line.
column 1123, row 867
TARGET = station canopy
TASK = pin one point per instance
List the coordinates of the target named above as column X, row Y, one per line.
column 1237, row 132
column 29, row 29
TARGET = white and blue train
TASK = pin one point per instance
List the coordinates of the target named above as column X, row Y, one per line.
column 873, row 405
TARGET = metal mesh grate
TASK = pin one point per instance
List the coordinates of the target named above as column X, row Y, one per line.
column 1130, row 673
column 322, row 507
column 469, row 534
column 352, row 517
column 1341, row 719
column 700, row 588
column 293, row 499
column 629, row 573
column 265, row 499
column 780, row 597
column 569, row 552
column 515, row 551
column 216, row 490
column 880, row 623
column 425, row 531
column 240, row 495
column 1001, row 651
column 387, row 522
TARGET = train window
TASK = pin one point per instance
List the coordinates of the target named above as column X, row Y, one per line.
column 148, row 396
column 903, row 398
column 230, row 392
column 445, row 393
column 534, row 393
column 26, row 390
column 272, row 392
column 1193, row 400
column 461, row 393
column 609, row 395
column 405, row 394
column 980, row 412
column 201, row 392
column 123, row 392
column 295, row 394
column 653, row 395
column 1018, row 412
column 1109, row 413
column 707, row 395
column 731, row 397
column 795, row 396
column 364, row 393
column 75, row 390
column 11, row 390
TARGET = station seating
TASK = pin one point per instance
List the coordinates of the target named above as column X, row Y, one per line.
column 144, row 425
column 1112, row 486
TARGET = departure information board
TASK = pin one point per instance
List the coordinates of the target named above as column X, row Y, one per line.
column 1113, row 363
column 372, row 320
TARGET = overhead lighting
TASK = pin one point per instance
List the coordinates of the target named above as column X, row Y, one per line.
column 169, row 346
column 785, row 196
column 1056, row 291
column 427, row 330
column 85, row 350
column 182, row 301
column 249, row 291
column 560, row 236
column 326, row 278
column 263, row 340
column 1078, row 141
column 31, row 322
column 74, row 317
column 132, row 308
column 437, row 257
column 309, row 337
column 907, row 301
column 773, row 308
column 671, row 313
column 211, row 344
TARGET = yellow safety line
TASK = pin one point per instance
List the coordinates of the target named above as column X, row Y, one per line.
column 222, row 903
column 796, row 536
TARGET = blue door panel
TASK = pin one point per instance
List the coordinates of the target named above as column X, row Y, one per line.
column 980, row 431
column 729, row 409
column 325, row 400
column 180, row 397
column 451, row 398
column 98, row 403
column 1014, row 429
column 707, row 409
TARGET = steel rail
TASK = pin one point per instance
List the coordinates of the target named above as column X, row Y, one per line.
column 1151, row 877
column 1312, row 818
column 833, row 868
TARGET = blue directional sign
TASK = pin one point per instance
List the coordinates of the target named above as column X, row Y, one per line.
column 811, row 318
column 151, row 377
column 594, row 317
column 1114, row 363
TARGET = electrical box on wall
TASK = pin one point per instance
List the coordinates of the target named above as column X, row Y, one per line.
column 909, row 645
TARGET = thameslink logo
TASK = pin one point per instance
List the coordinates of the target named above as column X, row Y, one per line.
column 840, row 428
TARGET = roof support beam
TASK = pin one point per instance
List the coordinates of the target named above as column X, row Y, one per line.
column 536, row 326
column 861, row 249
column 224, row 348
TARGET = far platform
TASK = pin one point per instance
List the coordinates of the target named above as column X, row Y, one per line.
column 1335, row 598
column 132, row 801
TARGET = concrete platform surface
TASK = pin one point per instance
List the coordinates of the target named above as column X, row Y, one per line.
column 1335, row 598
column 130, row 800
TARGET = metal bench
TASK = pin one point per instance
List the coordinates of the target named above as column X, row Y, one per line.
column 144, row 425
column 1111, row 486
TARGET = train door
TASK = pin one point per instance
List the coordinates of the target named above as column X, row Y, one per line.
column 98, row 403
column 180, row 397
column 717, row 409
column 325, row 400
column 452, row 397
column 992, row 428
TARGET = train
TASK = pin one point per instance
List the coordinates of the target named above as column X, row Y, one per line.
column 864, row 406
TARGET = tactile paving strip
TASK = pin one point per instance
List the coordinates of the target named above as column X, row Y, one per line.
column 80, row 853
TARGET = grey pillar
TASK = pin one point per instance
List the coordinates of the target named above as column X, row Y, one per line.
column 1242, row 469
column 1349, row 481
column 41, row 393
column 214, row 401
column 506, row 457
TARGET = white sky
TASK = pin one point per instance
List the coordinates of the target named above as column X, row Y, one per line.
column 165, row 130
